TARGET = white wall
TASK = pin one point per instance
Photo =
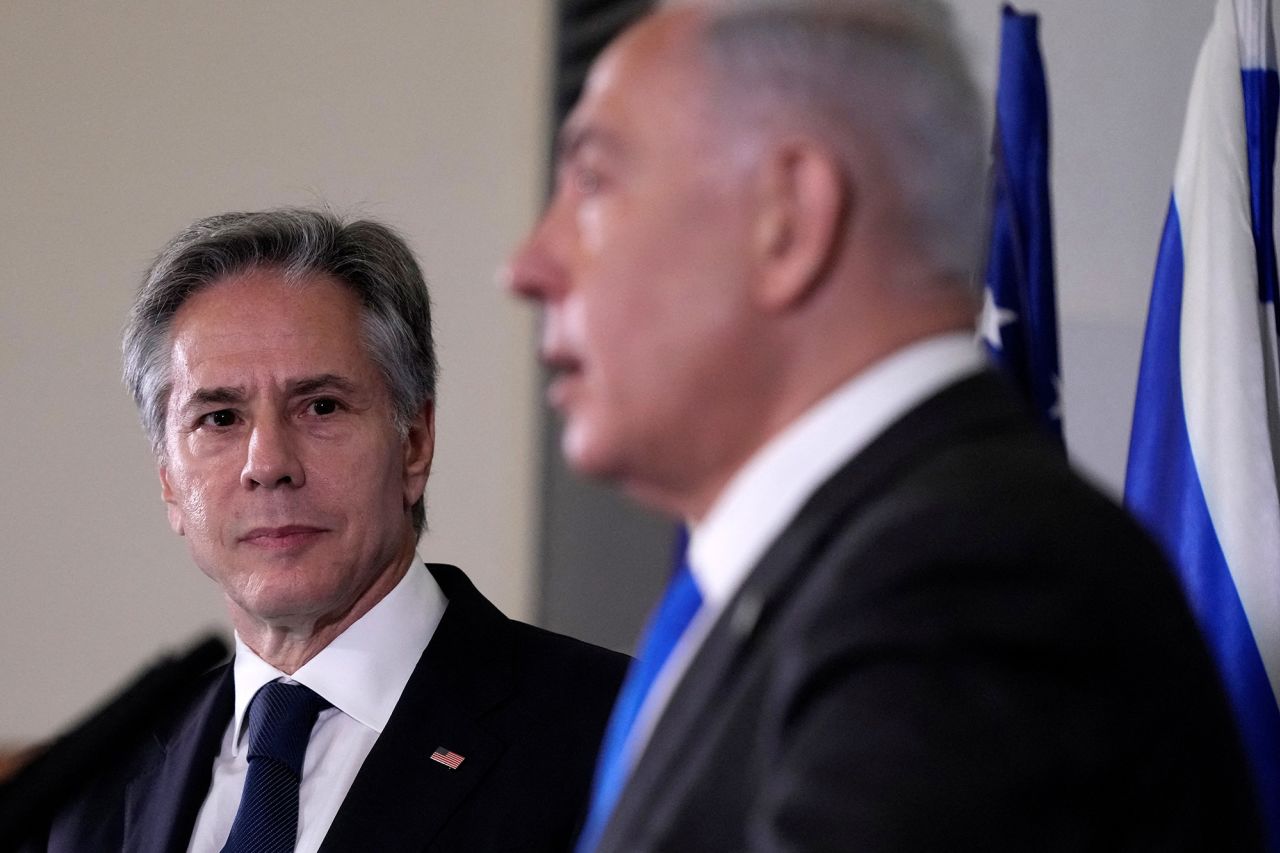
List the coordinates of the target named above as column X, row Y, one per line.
column 122, row 122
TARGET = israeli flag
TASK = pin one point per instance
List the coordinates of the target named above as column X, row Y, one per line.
column 1203, row 457
column 1019, row 321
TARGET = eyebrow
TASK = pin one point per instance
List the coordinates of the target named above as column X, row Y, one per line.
column 323, row 382
column 230, row 395
column 572, row 138
column 221, row 395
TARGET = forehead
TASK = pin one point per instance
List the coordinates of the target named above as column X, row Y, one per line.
column 267, row 299
column 653, row 75
column 261, row 321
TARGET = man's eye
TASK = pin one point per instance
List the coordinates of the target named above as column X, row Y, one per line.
column 586, row 181
column 220, row 418
column 324, row 407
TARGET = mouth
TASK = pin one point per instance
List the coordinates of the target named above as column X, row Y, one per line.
column 284, row 538
column 565, row 370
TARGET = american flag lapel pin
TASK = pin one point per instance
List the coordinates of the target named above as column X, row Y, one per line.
column 447, row 757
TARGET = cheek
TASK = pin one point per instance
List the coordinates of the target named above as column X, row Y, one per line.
column 592, row 225
column 376, row 467
column 196, row 504
column 620, row 233
column 188, row 505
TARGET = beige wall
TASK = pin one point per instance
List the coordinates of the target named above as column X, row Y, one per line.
column 120, row 123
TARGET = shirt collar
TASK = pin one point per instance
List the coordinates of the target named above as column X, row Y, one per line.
column 363, row 671
column 766, row 493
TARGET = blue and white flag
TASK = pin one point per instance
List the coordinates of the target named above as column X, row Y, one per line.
column 1203, row 456
column 1019, row 320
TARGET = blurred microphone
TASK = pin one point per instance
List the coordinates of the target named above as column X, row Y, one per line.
column 76, row 757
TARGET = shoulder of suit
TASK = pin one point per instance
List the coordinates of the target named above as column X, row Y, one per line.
column 573, row 651
column 547, row 652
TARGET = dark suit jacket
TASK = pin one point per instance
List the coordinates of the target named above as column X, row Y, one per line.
column 525, row 707
column 956, row 645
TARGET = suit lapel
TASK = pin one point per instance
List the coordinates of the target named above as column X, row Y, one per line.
column 401, row 798
column 162, row 801
column 974, row 407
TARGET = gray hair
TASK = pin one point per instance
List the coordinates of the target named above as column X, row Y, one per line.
column 368, row 257
column 890, row 72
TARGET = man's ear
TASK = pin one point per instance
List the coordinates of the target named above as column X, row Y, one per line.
column 419, row 450
column 805, row 202
column 172, row 502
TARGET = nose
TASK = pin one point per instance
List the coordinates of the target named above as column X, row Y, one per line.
column 536, row 269
column 272, row 460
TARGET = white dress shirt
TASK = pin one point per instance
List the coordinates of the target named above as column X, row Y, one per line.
column 362, row 674
column 766, row 494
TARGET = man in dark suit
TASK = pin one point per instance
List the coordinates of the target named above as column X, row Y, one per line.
column 283, row 365
column 905, row 623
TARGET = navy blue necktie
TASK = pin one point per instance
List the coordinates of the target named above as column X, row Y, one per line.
column 679, row 605
column 280, row 720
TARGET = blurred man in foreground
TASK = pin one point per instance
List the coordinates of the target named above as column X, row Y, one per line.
column 284, row 369
column 905, row 624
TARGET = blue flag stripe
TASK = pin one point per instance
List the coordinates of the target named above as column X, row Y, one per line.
column 1162, row 443
column 1022, row 333
column 1261, row 90
column 1203, row 466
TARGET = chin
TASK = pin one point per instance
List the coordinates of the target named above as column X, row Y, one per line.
column 585, row 454
column 286, row 603
column 600, row 457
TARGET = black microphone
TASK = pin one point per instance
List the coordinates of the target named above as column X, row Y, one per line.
column 34, row 794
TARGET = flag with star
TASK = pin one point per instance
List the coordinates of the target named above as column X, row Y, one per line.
column 1205, row 448
column 1019, row 322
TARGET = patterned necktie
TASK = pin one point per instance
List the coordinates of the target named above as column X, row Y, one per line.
column 280, row 720
column 669, row 621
